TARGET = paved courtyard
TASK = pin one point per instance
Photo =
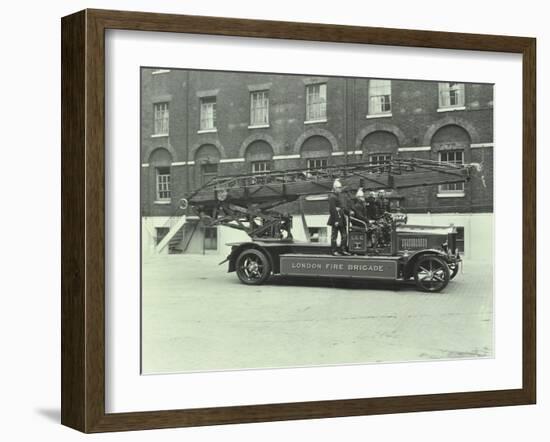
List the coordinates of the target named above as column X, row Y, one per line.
column 196, row 316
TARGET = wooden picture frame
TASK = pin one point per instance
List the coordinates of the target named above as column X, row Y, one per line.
column 83, row 220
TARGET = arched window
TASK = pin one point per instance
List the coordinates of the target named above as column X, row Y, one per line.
column 207, row 159
column 451, row 144
column 317, row 151
column 259, row 154
column 379, row 146
column 161, row 161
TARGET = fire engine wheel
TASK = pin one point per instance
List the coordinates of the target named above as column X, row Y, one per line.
column 453, row 268
column 431, row 273
column 253, row 267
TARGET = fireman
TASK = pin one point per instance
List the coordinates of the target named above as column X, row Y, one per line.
column 360, row 206
column 338, row 210
column 382, row 204
column 370, row 205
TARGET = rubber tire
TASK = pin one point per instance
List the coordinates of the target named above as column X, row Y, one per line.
column 265, row 263
column 422, row 262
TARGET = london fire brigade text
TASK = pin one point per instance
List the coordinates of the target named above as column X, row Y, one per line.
column 338, row 266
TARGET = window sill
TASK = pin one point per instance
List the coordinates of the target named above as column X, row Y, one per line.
column 451, row 194
column 160, row 71
column 163, row 202
column 159, row 135
column 207, row 131
column 315, row 121
column 386, row 115
column 451, row 109
column 258, row 126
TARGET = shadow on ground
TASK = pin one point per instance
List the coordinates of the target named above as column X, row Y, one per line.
column 345, row 284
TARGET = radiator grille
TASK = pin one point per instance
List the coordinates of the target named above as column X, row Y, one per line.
column 414, row 243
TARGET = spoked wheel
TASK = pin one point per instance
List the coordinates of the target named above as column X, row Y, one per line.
column 453, row 268
column 431, row 273
column 253, row 267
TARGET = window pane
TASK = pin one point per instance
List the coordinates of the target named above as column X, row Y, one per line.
column 317, row 163
column 261, row 166
column 210, row 238
column 452, row 157
column 379, row 158
column 318, row 234
column 379, row 96
column 316, row 102
column 163, row 183
column 208, row 172
column 210, row 168
column 460, row 239
column 161, row 118
column 259, row 108
column 451, row 94
column 208, row 113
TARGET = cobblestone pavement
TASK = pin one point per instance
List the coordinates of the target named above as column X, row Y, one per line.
column 196, row 316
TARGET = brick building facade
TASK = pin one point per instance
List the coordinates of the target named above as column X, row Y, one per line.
column 198, row 124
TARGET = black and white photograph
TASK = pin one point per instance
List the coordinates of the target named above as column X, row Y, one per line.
column 307, row 220
column 230, row 221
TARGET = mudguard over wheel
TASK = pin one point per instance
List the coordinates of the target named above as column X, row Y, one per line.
column 453, row 268
column 253, row 267
column 431, row 273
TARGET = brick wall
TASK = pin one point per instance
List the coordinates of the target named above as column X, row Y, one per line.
column 414, row 123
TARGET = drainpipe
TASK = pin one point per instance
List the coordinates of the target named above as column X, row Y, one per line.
column 346, row 128
column 187, row 168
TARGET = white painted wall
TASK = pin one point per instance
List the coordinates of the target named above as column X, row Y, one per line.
column 478, row 232
column 148, row 233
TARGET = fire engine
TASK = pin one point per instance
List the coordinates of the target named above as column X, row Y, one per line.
column 386, row 248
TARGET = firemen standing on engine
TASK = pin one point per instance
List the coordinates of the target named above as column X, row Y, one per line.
column 370, row 205
column 359, row 208
column 366, row 210
column 369, row 210
column 338, row 203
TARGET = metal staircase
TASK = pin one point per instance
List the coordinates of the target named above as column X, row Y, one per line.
column 176, row 227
